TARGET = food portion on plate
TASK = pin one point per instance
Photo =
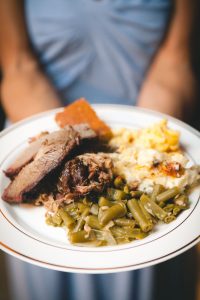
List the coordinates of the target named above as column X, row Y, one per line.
column 152, row 156
column 81, row 112
column 103, row 186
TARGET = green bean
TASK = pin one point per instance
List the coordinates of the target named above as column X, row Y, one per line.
column 182, row 200
column 169, row 207
column 161, row 204
column 145, row 212
column 153, row 208
column 49, row 221
column 126, row 189
column 138, row 234
column 118, row 218
column 122, row 240
column 124, row 222
column 119, row 182
column 169, row 218
column 72, row 210
column 79, row 237
column 81, row 221
column 67, row 219
column 139, row 216
column 136, row 194
column 177, row 209
column 71, row 207
column 115, row 194
column 57, row 220
column 168, row 194
column 81, row 207
column 93, row 222
column 128, row 233
column 157, row 189
column 116, row 211
column 104, row 202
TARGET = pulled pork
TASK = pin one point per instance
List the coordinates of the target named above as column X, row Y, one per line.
column 84, row 174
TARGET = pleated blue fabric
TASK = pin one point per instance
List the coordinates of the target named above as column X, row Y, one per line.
column 99, row 49
column 29, row 282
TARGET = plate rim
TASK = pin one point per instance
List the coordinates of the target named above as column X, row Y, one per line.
column 57, row 267
column 96, row 270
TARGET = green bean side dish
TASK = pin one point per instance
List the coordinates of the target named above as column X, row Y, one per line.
column 119, row 215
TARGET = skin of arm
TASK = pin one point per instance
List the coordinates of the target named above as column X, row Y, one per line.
column 25, row 90
column 170, row 85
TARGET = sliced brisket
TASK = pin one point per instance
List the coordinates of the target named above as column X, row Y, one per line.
column 51, row 154
column 26, row 156
column 30, row 152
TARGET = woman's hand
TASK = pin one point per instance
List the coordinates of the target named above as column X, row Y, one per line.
column 169, row 86
column 25, row 91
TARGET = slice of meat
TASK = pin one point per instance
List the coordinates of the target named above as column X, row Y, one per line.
column 26, row 156
column 81, row 112
column 85, row 173
column 50, row 156
column 30, row 152
column 85, row 131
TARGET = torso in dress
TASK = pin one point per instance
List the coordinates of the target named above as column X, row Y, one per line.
column 99, row 49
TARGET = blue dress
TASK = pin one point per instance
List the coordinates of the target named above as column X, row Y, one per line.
column 101, row 50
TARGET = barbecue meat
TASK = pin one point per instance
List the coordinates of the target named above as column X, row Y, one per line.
column 51, row 154
column 26, row 156
column 85, row 173
column 30, row 152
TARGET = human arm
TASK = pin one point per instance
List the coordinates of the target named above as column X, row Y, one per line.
column 25, row 89
column 170, row 85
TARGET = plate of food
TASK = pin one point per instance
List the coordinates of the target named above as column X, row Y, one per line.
column 99, row 189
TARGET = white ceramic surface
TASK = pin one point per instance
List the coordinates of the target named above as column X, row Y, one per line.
column 24, row 234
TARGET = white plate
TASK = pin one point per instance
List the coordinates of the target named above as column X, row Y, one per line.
column 24, row 234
